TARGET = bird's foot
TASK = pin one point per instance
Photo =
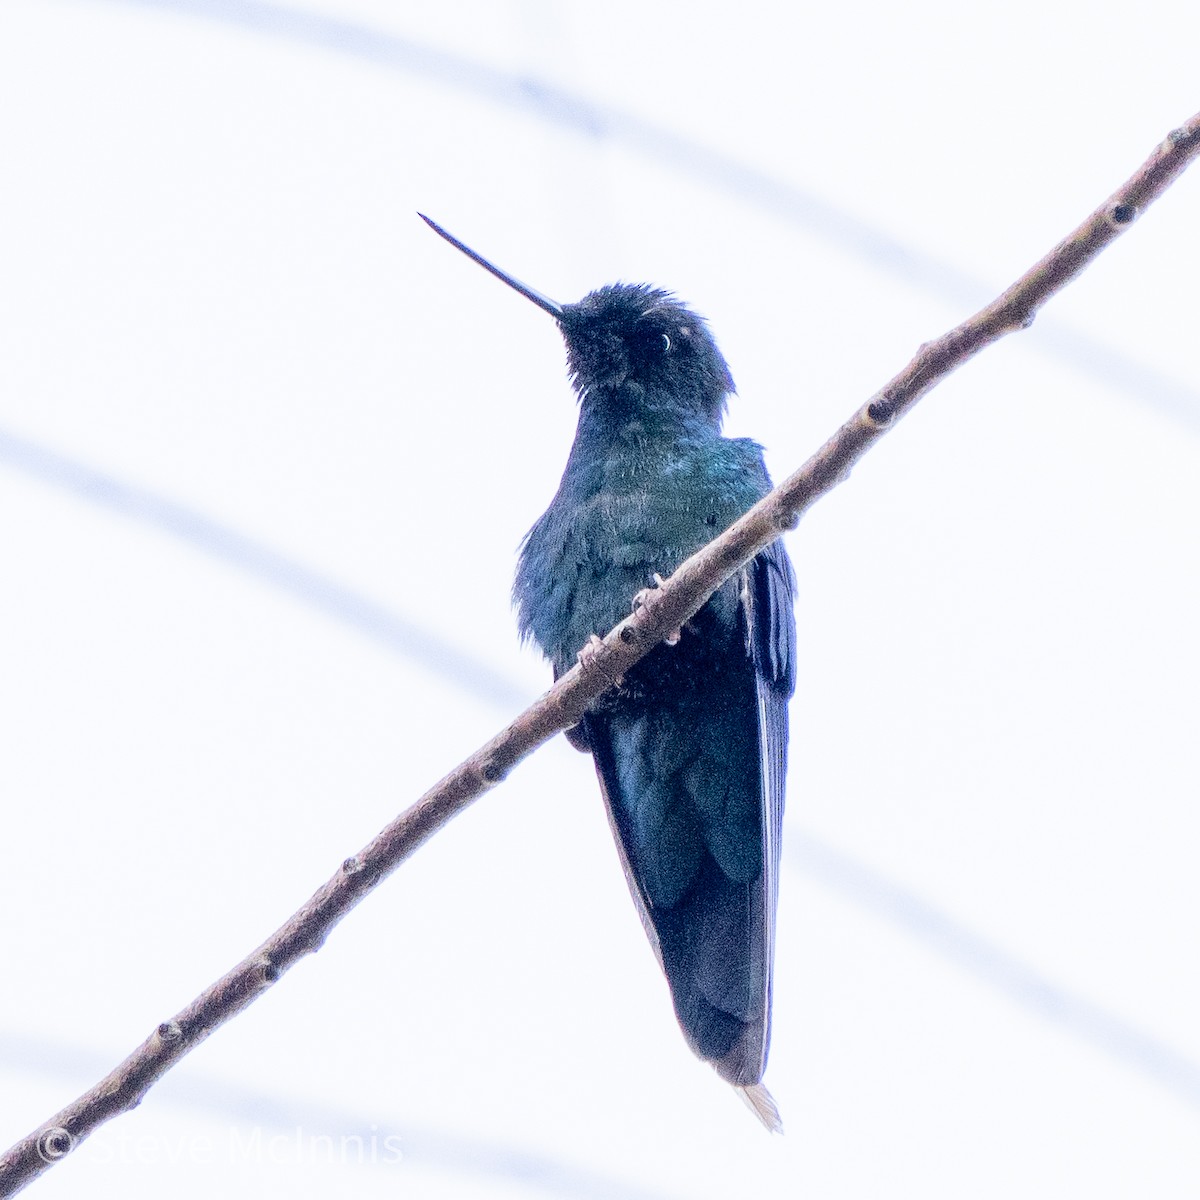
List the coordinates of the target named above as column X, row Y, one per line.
column 672, row 638
column 577, row 736
column 591, row 648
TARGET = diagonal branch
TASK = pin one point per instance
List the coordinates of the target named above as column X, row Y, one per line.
column 563, row 705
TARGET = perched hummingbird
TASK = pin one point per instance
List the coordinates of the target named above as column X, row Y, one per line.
column 691, row 746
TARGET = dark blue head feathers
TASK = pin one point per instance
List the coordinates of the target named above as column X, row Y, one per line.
column 635, row 343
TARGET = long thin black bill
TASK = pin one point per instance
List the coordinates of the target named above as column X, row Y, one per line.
column 544, row 302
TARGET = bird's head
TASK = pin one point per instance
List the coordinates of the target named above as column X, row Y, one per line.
column 632, row 348
column 639, row 343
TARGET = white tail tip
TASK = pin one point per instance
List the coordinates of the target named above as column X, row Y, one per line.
column 762, row 1105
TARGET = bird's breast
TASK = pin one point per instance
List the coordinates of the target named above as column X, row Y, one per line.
column 616, row 522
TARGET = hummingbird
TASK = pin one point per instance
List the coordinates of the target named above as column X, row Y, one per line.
column 690, row 746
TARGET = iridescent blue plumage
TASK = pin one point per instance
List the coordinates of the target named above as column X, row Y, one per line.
column 691, row 747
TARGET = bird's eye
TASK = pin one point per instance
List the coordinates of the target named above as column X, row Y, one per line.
column 666, row 343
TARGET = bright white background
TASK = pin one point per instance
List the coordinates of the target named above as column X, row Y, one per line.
column 268, row 446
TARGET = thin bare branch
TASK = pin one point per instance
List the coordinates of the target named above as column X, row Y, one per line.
column 667, row 608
